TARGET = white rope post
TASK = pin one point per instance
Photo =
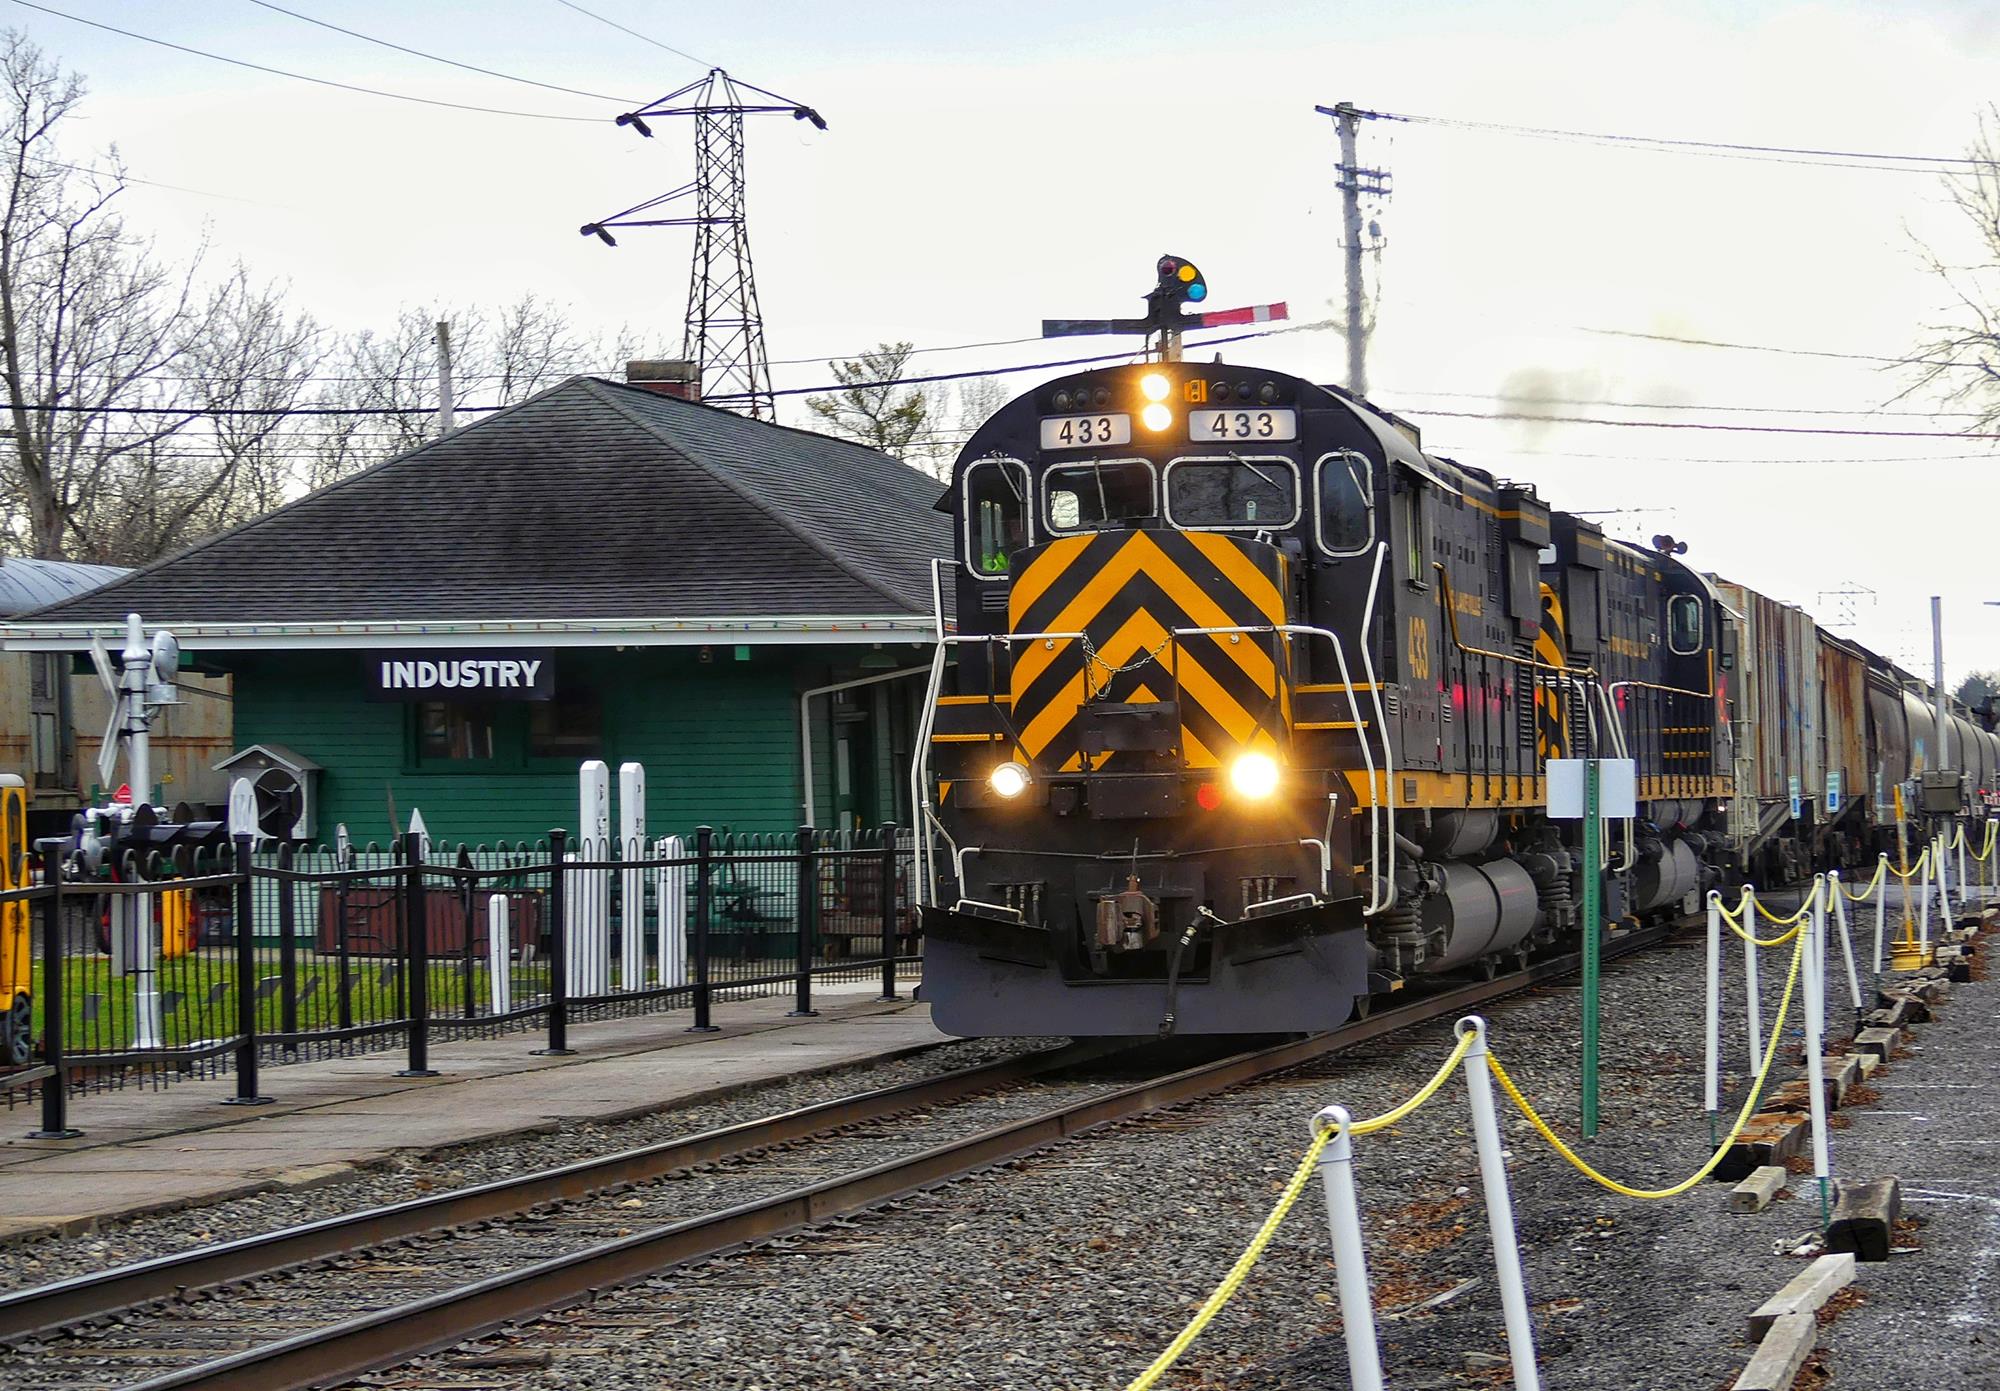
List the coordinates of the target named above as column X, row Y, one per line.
column 1961, row 868
column 499, row 941
column 1350, row 1262
column 1816, row 1038
column 1924, row 905
column 1946, row 918
column 1753, row 1000
column 1711, row 1076
column 1881, row 908
column 1836, row 892
column 670, row 895
column 1499, row 1207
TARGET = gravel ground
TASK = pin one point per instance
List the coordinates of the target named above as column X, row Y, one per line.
column 1074, row 1267
column 424, row 1172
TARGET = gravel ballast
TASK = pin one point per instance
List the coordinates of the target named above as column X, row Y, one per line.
column 1075, row 1266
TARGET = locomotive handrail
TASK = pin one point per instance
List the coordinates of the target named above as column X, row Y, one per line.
column 1377, row 872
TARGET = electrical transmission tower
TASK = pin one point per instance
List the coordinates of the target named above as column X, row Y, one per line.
column 724, row 332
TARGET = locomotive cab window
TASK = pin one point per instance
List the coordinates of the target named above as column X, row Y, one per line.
column 996, row 515
column 1236, row 492
column 1102, row 493
column 1346, row 516
column 1684, row 626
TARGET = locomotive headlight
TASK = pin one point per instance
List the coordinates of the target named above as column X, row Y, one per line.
column 1254, row 776
column 1154, row 386
column 1009, row 780
column 1156, row 417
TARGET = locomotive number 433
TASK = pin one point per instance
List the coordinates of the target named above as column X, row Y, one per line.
column 1243, row 425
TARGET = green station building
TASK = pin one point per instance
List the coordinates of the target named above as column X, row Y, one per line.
column 607, row 570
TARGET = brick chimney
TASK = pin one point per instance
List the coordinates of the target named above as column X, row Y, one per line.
column 669, row 377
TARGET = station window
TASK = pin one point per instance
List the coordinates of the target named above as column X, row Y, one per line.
column 569, row 727
column 1089, row 496
column 1346, row 504
column 1238, row 493
column 1684, row 627
column 448, row 732
column 996, row 515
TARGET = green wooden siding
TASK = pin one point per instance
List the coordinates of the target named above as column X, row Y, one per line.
column 719, row 739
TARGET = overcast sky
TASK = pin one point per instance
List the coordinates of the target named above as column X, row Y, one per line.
column 989, row 165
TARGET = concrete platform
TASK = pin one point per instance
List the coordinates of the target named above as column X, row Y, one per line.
column 144, row 1150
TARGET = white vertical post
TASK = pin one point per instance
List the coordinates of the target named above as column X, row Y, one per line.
column 1816, row 1039
column 632, row 885
column 499, row 944
column 1350, row 1262
column 589, row 935
column 1499, row 1208
column 1711, row 1079
column 670, row 890
column 146, row 1026
column 1881, row 907
column 1838, row 894
column 1924, row 904
column 1962, row 896
column 1941, row 856
column 1753, row 1000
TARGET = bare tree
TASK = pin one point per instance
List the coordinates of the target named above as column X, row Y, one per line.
column 871, row 406
column 1959, row 362
column 499, row 356
column 117, row 368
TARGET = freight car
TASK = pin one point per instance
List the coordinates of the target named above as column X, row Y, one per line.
column 1249, row 708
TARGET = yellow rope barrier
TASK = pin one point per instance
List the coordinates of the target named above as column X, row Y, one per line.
column 1742, row 1117
column 1796, row 920
column 1868, row 888
column 1239, row 1272
column 1914, row 870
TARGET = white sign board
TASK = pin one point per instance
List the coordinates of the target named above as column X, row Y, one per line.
column 1833, row 791
column 1617, row 788
column 1798, row 796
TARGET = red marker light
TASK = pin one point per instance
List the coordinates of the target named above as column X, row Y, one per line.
column 1208, row 796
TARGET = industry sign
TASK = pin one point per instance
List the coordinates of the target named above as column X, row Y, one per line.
column 460, row 674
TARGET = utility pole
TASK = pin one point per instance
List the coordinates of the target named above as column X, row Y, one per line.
column 445, row 402
column 1937, row 675
column 1353, row 181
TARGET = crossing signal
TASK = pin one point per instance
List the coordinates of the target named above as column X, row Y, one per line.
column 1180, row 282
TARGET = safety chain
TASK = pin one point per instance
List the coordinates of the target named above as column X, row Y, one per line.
column 1231, row 1282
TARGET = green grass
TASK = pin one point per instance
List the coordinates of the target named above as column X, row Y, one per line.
column 105, row 1023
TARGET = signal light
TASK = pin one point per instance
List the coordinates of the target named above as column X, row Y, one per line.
column 1180, row 282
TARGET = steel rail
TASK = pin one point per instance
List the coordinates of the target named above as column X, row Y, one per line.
column 98, row 1295
column 390, row 1336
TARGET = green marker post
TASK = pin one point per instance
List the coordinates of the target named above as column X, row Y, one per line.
column 1593, row 929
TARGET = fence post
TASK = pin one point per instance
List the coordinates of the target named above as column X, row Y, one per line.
column 1350, row 1260
column 1838, row 894
column 806, row 921
column 1816, row 1039
column 55, row 1091
column 558, row 949
column 288, row 953
column 247, row 1093
column 417, row 946
column 1499, row 1208
column 499, row 967
column 1881, row 912
column 704, row 896
column 1753, row 995
column 889, row 933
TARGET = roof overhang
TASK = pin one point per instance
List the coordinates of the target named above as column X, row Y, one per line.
column 578, row 632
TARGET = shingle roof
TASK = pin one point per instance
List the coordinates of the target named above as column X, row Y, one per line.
column 591, row 500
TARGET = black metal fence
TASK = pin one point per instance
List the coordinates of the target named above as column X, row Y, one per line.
column 146, row 973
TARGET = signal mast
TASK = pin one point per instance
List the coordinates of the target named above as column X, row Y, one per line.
column 1179, row 284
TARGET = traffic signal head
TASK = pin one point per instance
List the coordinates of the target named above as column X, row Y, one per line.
column 1180, row 282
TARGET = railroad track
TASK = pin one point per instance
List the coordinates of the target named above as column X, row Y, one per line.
column 347, row 1295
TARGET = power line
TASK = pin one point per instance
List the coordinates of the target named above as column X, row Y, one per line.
column 643, row 38
column 302, row 77
column 1769, row 348
column 1689, row 405
column 1472, row 449
column 1778, row 154
column 1714, row 425
column 439, row 58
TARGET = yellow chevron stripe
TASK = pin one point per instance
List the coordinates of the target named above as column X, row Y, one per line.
column 1051, row 719
column 1032, row 583
column 1237, row 568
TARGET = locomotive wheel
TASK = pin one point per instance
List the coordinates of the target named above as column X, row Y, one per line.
column 14, row 1033
column 1363, row 1006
